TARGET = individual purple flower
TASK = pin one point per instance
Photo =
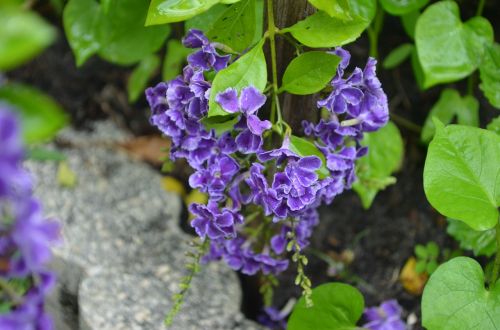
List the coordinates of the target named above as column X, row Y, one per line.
column 207, row 57
column 216, row 177
column 261, row 193
column 214, row 222
column 273, row 318
column 385, row 317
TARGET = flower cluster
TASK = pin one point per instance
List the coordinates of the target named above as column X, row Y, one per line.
column 25, row 238
column 256, row 191
column 385, row 317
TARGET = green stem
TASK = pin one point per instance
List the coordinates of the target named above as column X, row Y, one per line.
column 480, row 7
column 271, row 31
column 374, row 31
column 496, row 265
column 470, row 84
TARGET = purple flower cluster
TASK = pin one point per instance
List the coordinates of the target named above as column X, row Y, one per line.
column 241, row 177
column 25, row 236
column 385, row 317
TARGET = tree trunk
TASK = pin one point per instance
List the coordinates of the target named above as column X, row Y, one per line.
column 294, row 108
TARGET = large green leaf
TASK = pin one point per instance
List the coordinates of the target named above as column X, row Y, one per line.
column 41, row 116
column 205, row 20
column 448, row 49
column 462, row 176
column 322, row 30
column 409, row 22
column 23, row 35
column 490, row 75
column 304, row 148
column 169, row 11
column 402, row 7
column 337, row 306
column 309, row 73
column 248, row 70
column 118, row 35
column 141, row 75
column 494, row 125
column 456, row 298
column 449, row 106
column 385, row 155
column 482, row 243
column 236, row 26
column 335, row 8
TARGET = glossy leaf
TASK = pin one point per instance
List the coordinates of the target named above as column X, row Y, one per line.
column 304, row 148
column 448, row 49
column 456, row 298
column 249, row 70
column 205, row 20
column 23, row 35
column 322, row 30
column 385, row 155
column 397, row 56
column 169, row 11
column 335, row 8
column 141, row 75
column 236, row 26
column 490, row 75
column 41, row 116
column 402, row 7
column 462, row 176
column 309, row 73
column 482, row 243
column 336, row 306
column 175, row 57
column 449, row 106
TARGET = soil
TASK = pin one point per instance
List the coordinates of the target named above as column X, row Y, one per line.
column 381, row 238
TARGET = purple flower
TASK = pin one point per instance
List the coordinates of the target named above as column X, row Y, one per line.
column 207, row 57
column 213, row 222
column 385, row 317
column 273, row 318
column 216, row 178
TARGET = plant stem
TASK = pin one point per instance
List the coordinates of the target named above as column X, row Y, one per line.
column 374, row 31
column 496, row 265
column 271, row 30
column 480, row 7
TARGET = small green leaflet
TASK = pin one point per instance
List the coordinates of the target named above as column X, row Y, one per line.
column 322, row 30
column 23, row 35
column 385, row 155
column 449, row 106
column 397, row 56
column 462, row 176
column 490, row 75
column 448, row 49
column 336, row 306
column 482, row 243
column 309, row 73
column 41, row 116
column 169, row 11
column 456, row 298
column 236, row 26
column 43, row 154
column 141, row 75
column 398, row 7
column 249, row 70
column 175, row 56
column 304, row 148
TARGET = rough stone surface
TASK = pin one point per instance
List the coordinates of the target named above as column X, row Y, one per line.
column 123, row 251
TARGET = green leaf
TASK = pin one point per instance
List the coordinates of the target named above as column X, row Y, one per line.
column 141, row 75
column 304, row 148
column 455, row 298
column 421, row 251
column 169, row 11
column 309, row 72
column 448, row 49
column 23, row 36
column 420, row 266
column 409, row 22
column 417, row 69
column 118, row 36
column 220, row 124
column 41, row 116
column 175, row 56
column 482, row 243
column 433, row 250
column 449, row 105
column 249, row 69
column 494, row 125
column 431, row 266
column 322, row 30
column 397, row 56
column 385, row 155
column 462, row 176
column 205, row 20
column 489, row 72
column 336, row 306
column 236, row 26
column 43, row 154
column 398, row 7
column 335, row 8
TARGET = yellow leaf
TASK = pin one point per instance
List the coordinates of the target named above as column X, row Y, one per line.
column 171, row 184
column 65, row 175
column 412, row 281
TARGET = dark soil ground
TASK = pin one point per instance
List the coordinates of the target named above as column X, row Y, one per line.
column 381, row 238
